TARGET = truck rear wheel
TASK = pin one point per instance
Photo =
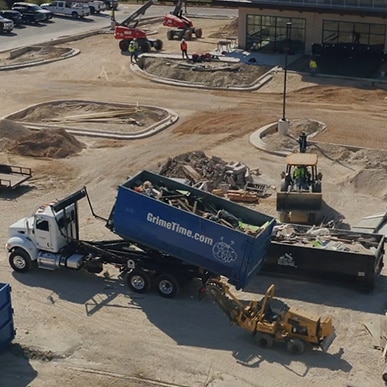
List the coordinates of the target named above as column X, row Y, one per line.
column 167, row 285
column 20, row 261
column 74, row 15
column 264, row 340
column 295, row 346
column 138, row 281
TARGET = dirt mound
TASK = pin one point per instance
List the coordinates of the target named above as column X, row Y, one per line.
column 211, row 74
column 9, row 132
column 12, row 130
column 275, row 141
column 53, row 143
column 230, row 29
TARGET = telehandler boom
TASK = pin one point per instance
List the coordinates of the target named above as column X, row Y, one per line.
column 270, row 320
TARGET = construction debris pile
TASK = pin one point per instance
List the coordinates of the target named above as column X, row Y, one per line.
column 233, row 180
column 325, row 238
column 187, row 201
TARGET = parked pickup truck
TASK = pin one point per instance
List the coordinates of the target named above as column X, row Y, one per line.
column 6, row 25
column 111, row 4
column 169, row 234
column 96, row 6
column 70, row 8
column 31, row 13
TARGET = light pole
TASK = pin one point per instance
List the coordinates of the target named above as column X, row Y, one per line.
column 283, row 125
column 287, row 49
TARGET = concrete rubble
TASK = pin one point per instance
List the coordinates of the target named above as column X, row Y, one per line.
column 233, row 180
column 324, row 238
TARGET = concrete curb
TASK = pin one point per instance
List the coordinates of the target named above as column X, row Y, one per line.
column 261, row 81
column 37, row 62
column 171, row 118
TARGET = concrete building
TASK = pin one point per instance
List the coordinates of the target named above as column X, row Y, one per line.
column 344, row 27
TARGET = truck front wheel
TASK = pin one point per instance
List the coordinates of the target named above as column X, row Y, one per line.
column 264, row 340
column 167, row 285
column 20, row 261
column 74, row 15
column 138, row 281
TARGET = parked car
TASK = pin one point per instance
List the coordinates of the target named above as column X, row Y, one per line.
column 31, row 11
column 6, row 25
column 13, row 15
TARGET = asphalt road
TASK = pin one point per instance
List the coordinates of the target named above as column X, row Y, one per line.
column 63, row 26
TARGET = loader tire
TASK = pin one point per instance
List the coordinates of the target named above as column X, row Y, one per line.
column 284, row 186
column 295, row 347
column 20, row 261
column 198, row 33
column 264, row 340
column 316, row 187
column 124, row 45
column 167, row 286
column 139, row 281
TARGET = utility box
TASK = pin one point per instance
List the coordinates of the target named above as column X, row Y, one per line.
column 7, row 330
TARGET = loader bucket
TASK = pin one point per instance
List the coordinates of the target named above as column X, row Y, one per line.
column 299, row 201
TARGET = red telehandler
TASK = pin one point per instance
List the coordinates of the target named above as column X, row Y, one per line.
column 182, row 26
column 127, row 30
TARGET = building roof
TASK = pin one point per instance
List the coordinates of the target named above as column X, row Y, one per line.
column 357, row 7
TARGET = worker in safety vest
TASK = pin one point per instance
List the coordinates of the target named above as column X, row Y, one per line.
column 184, row 48
column 313, row 66
column 299, row 176
column 133, row 50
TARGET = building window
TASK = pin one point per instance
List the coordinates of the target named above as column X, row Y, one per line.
column 340, row 32
column 268, row 34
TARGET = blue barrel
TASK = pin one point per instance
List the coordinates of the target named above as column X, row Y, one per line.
column 190, row 236
column 7, row 330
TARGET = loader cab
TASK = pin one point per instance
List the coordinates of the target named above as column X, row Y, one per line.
column 54, row 229
column 310, row 179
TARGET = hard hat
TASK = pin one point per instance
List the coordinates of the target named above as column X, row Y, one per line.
column 182, row 40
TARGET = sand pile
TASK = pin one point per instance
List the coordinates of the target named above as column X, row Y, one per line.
column 54, row 143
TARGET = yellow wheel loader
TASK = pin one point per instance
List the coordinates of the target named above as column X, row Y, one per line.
column 299, row 199
column 270, row 320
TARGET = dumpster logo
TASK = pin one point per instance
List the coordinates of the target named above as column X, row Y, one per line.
column 224, row 252
column 287, row 260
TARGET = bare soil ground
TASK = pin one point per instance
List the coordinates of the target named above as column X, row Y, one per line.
column 75, row 328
